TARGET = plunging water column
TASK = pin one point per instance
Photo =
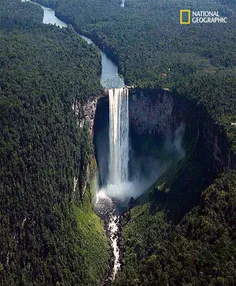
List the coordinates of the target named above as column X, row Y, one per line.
column 109, row 78
column 118, row 172
column 118, row 136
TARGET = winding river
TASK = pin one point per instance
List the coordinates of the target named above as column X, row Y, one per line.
column 109, row 76
column 103, row 205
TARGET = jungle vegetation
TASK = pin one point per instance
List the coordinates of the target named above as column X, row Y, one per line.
column 49, row 234
column 153, row 50
column 42, row 148
column 197, row 62
column 199, row 250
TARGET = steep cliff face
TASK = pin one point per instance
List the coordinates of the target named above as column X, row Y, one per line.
column 164, row 128
column 85, row 112
column 185, row 220
column 210, row 145
column 101, row 137
column 85, row 117
column 158, row 116
column 159, row 112
column 151, row 111
column 155, row 134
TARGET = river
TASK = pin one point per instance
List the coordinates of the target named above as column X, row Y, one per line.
column 103, row 204
column 109, row 76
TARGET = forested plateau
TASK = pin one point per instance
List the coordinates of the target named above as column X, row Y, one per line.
column 196, row 63
column 49, row 234
column 153, row 50
column 182, row 230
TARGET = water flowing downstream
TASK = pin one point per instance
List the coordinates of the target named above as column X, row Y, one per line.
column 119, row 149
column 110, row 77
column 118, row 171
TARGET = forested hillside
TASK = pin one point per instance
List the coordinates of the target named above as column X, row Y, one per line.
column 197, row 63
column 198, row 251
column 49, row 234
column 148, row 40
column 153, row 50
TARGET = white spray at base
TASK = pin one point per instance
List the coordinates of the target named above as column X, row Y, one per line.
column 118, row 169
column 121, row 186
column 118, row 161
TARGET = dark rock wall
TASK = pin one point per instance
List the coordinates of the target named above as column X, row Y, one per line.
column 160, row 112
column 156, row 117
column 151, row 111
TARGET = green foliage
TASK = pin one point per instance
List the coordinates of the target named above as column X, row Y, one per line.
column 12, row 14
column 43, row 70
column 216, row 93
column 200, row 250
column 49, row 236
column 94, row 241
column 197, row 62
column 147, row 41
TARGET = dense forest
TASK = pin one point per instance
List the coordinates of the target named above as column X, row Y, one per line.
column 198, row 63
column 153, row 50
column 49, row 234
column 200, row 250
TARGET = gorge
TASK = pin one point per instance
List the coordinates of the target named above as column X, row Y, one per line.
column 165, row 124
column 126, row 178
column 155, row 162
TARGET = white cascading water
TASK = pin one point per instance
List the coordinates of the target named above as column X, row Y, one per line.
column 118, row 173
column 118, row 136
column 118, row 159
column 119, row 112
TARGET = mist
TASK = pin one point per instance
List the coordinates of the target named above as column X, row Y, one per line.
column 144, row 170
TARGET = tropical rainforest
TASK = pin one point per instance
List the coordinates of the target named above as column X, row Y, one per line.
column 153, row 50
column 180, row 232
column 49, row 234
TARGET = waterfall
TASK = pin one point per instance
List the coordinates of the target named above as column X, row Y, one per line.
column 118, row 172
column 118, row 136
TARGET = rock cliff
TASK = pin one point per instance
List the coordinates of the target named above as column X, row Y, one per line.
column 159, row 112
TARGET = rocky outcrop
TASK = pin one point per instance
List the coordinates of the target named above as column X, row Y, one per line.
column 213, row 148
column 85, row 115
column 156, row 115
column 85, row 112
column 160, row 113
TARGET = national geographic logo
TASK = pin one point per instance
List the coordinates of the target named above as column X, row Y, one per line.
column 201, row 17
column 183, row 15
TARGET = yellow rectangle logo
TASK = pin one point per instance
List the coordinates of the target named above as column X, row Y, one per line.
column 181, row 17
